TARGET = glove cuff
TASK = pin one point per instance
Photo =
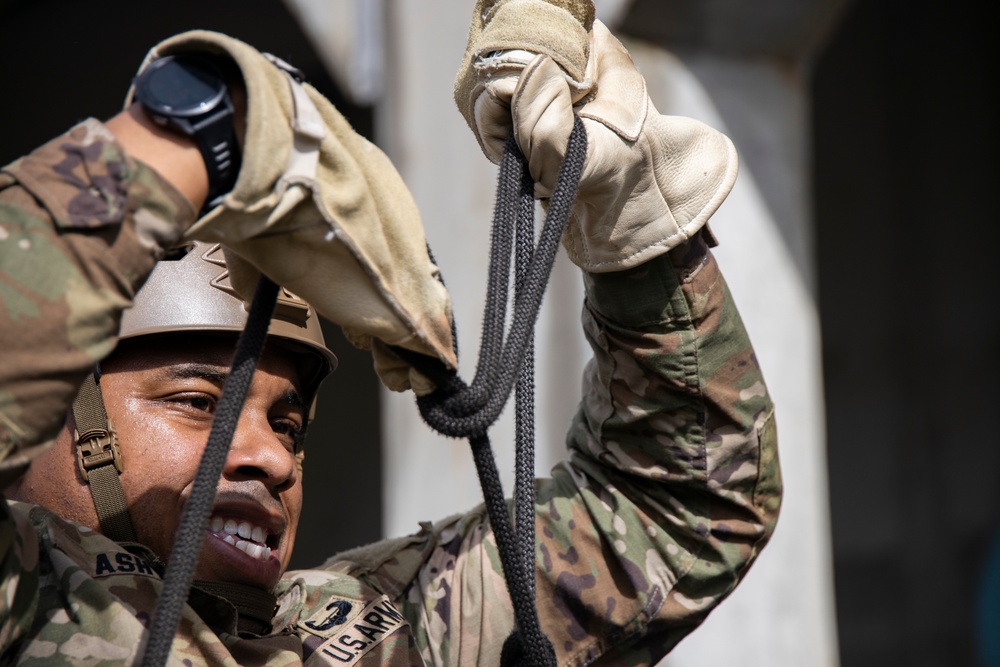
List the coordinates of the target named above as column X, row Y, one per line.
column 557, row 29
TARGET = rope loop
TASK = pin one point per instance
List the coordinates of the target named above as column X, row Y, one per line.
column 461, row 410
column 457, row 409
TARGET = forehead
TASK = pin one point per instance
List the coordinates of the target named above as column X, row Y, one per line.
column 152, row 353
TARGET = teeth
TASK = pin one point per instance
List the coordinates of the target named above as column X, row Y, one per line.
column 258, row 551
column 243, row 535
column 244, row 529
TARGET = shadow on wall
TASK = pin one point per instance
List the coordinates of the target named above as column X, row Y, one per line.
column 904, row 154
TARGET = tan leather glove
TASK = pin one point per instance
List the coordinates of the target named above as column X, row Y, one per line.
column 649, row 182
column 323, row 212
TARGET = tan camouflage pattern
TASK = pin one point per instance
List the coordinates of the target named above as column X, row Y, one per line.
column 72, row 214
column 671, row 489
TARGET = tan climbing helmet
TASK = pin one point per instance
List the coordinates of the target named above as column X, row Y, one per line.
column 189, row 292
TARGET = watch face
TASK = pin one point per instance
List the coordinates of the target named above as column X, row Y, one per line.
column 180, row 86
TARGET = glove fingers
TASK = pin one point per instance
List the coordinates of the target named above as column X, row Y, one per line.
column 542, row 112
column 396, row 374
column 492, row 114
column 621, row 102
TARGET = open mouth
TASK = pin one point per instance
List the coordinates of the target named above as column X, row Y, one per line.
column 251, row 539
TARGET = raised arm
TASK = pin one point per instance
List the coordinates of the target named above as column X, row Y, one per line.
column 672, row 484
column 80, row 221
column 673, row 461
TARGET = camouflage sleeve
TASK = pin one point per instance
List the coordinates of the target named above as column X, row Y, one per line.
column 19, row 577
column 80, row 221
column 673, row 477
column 671, row 489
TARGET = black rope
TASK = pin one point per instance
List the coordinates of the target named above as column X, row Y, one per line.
column 455, row 409
column 459, row 410
column 198, row 508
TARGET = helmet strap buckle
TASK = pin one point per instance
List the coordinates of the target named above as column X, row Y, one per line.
column 96, row 448
column 100, row 460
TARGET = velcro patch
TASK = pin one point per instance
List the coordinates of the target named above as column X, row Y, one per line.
column 120, row 562
column 350, row 640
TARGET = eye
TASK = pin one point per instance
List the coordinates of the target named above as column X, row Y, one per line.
column 196, row 402
column 290, row 431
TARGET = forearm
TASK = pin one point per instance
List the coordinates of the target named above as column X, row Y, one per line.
column 673, row 485
column 671, row 491
column 80, row 223
column 172, row 155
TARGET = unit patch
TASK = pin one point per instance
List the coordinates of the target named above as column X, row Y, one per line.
column 336, row 612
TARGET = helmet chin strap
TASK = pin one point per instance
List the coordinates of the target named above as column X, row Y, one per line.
column 100, row 461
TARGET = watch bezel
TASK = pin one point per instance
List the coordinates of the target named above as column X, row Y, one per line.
column 201, row 107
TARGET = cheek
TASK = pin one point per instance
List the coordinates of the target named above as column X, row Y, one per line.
column 292, row 501
column 156, row 449
column 160, row 457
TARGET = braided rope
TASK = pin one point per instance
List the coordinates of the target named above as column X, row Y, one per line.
column 459, row 410
column 198, row 508
column 455, row 409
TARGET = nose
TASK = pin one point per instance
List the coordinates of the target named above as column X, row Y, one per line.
column 258, row 454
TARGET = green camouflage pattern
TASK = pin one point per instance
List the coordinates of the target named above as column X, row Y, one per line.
column 72, row 214
column 73, row 597
column 670, row 490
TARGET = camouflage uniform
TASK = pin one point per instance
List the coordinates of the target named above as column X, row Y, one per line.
column 671, row 487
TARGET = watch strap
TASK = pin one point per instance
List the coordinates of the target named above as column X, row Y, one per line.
column 216, row 139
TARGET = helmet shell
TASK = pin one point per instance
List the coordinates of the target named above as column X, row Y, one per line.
column 189, row 291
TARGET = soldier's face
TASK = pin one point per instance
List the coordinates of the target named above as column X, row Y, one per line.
column 161, row 400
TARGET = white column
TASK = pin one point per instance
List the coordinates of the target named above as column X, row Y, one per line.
column 347, row 36
column 427, row 476
column 782, row 615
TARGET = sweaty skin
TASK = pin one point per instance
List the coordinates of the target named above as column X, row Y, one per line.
column 161, row 397
column 174, row 156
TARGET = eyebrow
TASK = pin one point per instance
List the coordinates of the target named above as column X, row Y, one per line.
column 218, row 377
column 196, row 370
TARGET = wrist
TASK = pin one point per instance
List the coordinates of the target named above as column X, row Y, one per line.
column 172, row 155
column 639, row 297
column 190, row 95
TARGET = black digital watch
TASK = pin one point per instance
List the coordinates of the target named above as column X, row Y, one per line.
column 189, row 94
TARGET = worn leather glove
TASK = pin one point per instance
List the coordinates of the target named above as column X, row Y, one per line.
column 322, row 212
column 649, row 181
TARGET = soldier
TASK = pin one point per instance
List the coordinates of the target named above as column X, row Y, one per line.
column 671, row 487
